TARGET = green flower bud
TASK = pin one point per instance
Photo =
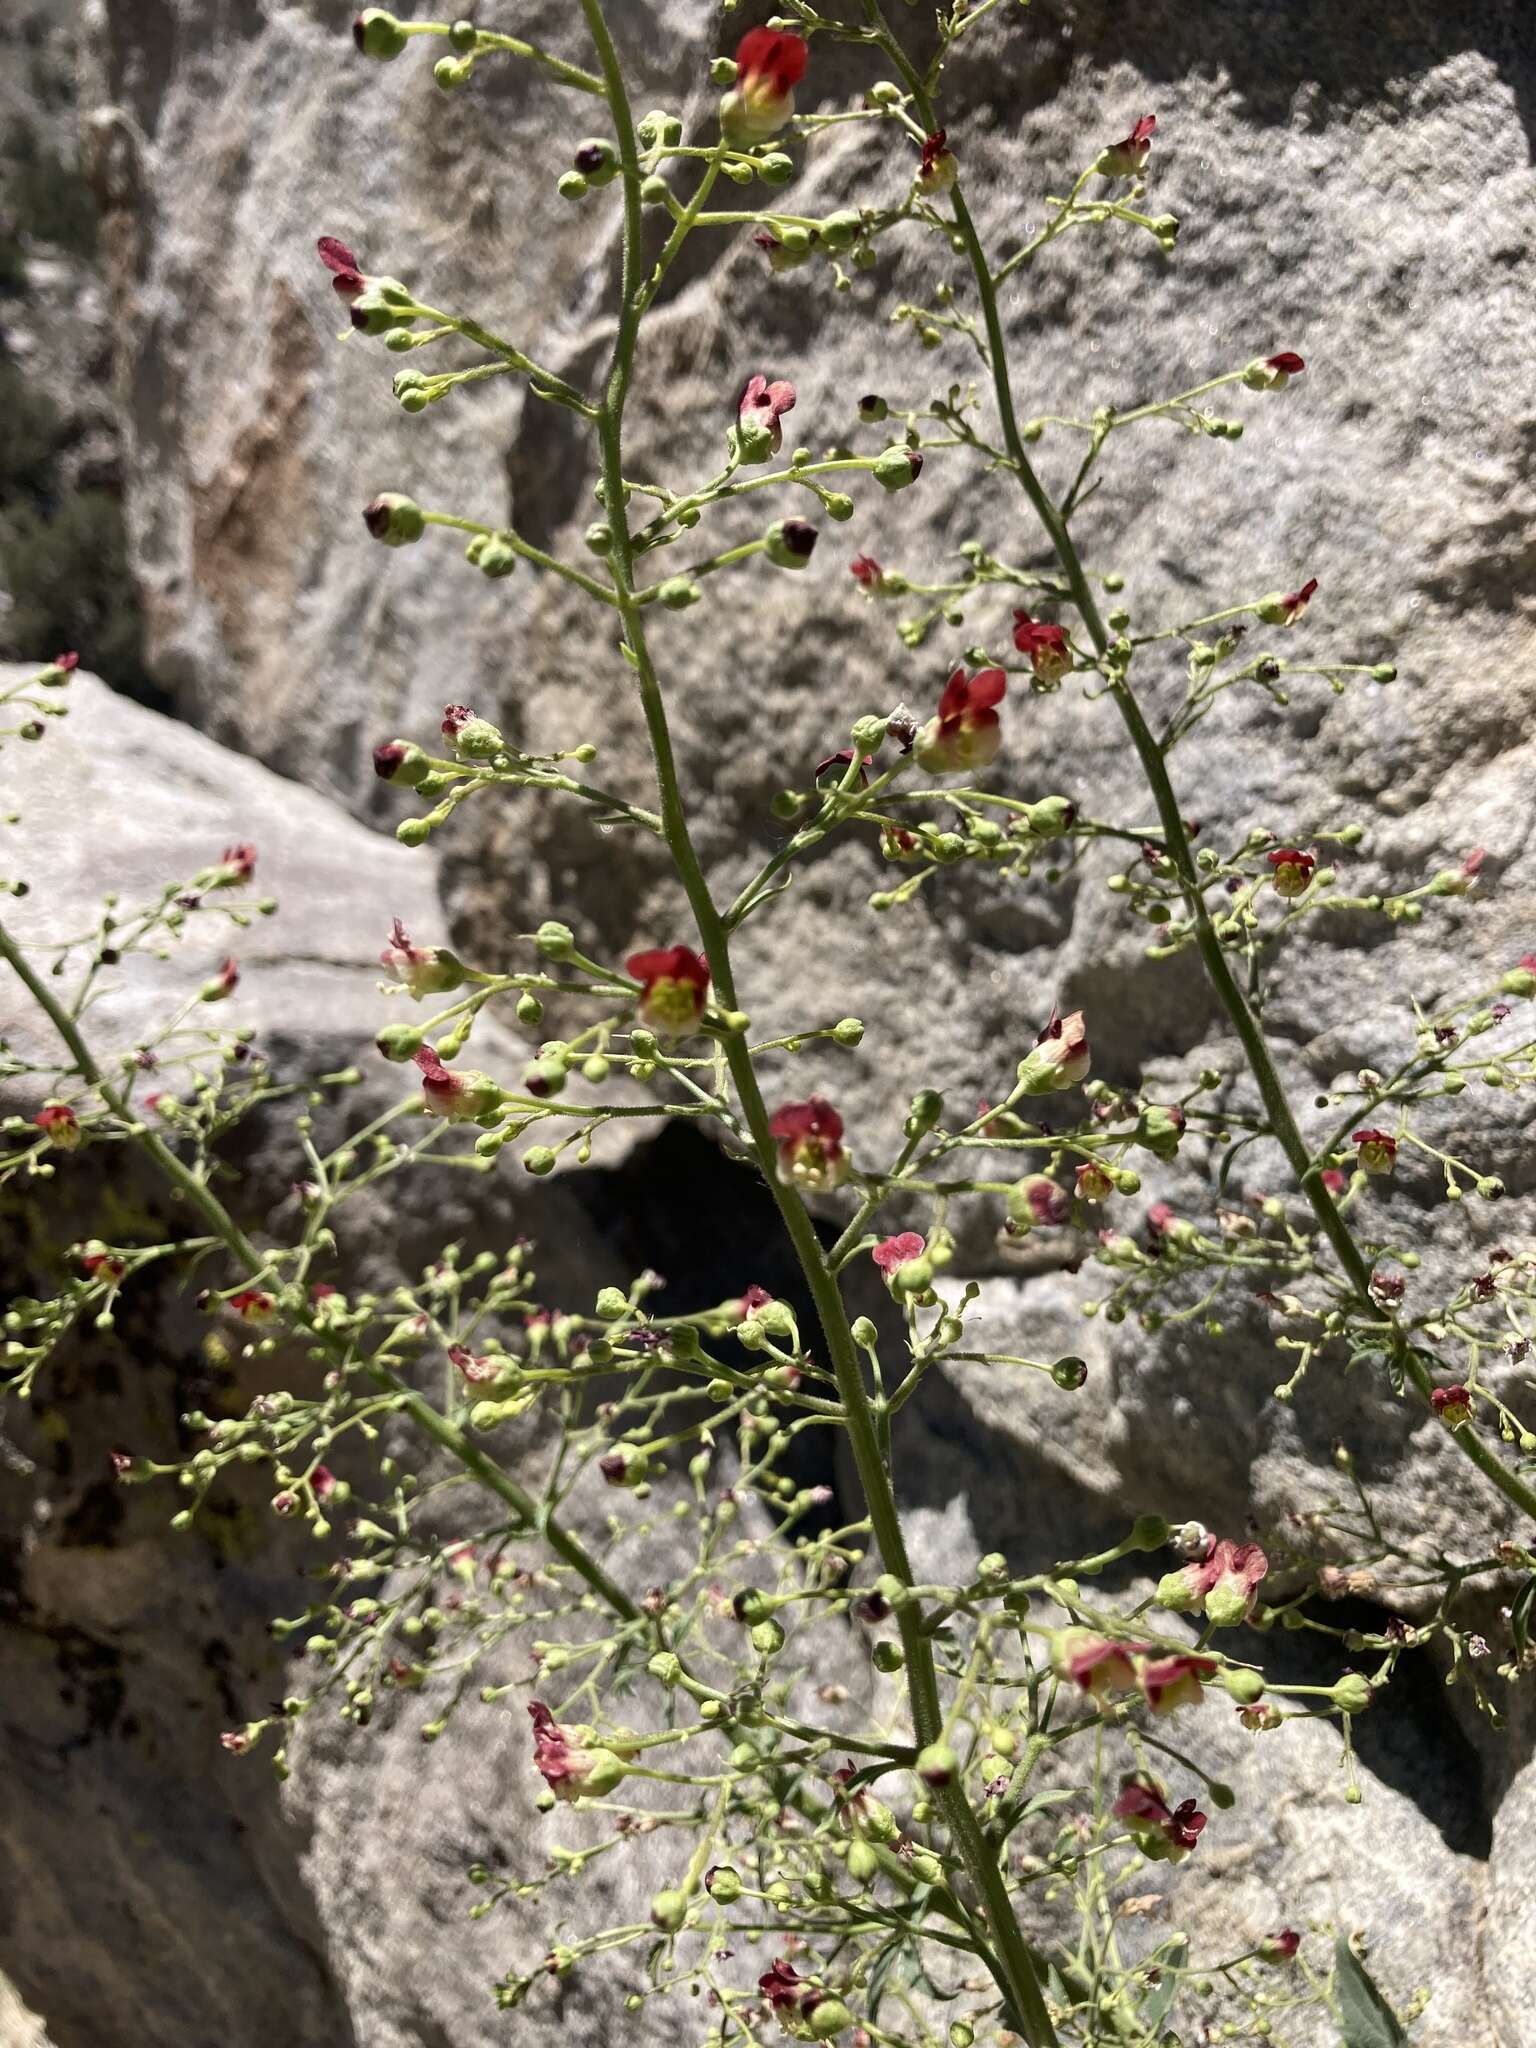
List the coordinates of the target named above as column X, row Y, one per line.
column 668, row 1911
column 393, row 519
column 829, row 2017
column 897, row 467
column 1352, row 1694
column 864, row 1333
column 538, row 1159
column 449, row 73
column 862, row 1862
column 678, row 592
column 1246, row 1687
column 555, row 941
column 399, row 1041
column 767, row 1638
column 848, row 1030
column 789, row 543
column 378, row 34
column 937, row 1764
column 1069, row 1373
column 888, row 1657
column 612, row 1305
column 841, row 230
column 494, row 557
column 776, row 168
column 723, row 1883
column 1050, row 817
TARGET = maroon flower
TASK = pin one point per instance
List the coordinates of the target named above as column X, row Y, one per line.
column 1039, row 1199
column 348, row 280
column 1169, row 1683
column 237, row 865
column 866, row 572
column 1280, row 1947
column 322, row 1482
column 221, row 984
column 938, row 168
column 1061, row 1057
column 420, row 970
column 1100, row 1667
column 1292, row 870
column 759, row 411
column 1224, row 1583
column 474, row 1369
column 102, row 1265
column 1166, row 1835
column 1376, row 1151
column 456, row 1097
column 755, row 1297
column 568, row 1760
column 1049, row 655
column 809, row 1137
column 66, row 664
column 1287, row 363
column 1453, row 1405
column 673, row 982
column 1125, row 159
column 1286, row 610
column 966, row 732
column 1333, row 1180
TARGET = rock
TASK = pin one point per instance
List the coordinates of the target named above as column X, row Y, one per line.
column 1358, row 194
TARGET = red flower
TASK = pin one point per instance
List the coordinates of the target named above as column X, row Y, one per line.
column 1061, row 1057
column 1049, row 655
column 966, row 732
column 1273, row 373
column 809, row 1137
column 939, row 167
column 1287, row 363
column 759, row 411
column 222, row 984
column 770, row 63
column 866, row 572
column 893, row 1252
column 1453, row 1405
column 253, row 1305
column 59, row 1125
column 474, row 1369
column 1224, row 1583
column 1376, row 1151
column 322, row 1482
column 102, row 1265
column 237, row 865
column 66, row 664
column 673, row 981
column 1280, row 1947
column 1167, row 1836
column 1333, row 1180
column 1286, row 610
column 1098, row 1666
column 784, row 1988
column 1093, row 1183
column 420, row 970
column 348, row 280
column 1039, row 1199
column 1125, row 159
column 1293, row 870
column 569, row 1762
column 456, row 1097
column 1169, row 1683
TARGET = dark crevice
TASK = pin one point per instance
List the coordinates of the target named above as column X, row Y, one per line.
column 1415, row 1745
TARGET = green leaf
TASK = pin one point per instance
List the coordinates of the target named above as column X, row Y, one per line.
column 1367, row 2019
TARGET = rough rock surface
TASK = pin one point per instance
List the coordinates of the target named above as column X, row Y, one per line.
column 1355, row 185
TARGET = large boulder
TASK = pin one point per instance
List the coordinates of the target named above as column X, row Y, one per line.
column 1353, row 188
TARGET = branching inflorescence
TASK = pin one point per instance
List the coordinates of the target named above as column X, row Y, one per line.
column 1011, row 1763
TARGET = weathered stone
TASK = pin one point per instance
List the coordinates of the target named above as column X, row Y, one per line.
column 1353, row 188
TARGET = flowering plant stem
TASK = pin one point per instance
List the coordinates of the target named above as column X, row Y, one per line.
column 1009, row 1959
column 1175, row 837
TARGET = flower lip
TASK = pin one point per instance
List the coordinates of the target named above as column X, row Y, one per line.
column 813, row 1119
column 773, row 56
column 1287, row 362
column 348, row 280
column 894, row 1252
column 668, row 963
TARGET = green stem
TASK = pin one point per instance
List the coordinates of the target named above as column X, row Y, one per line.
column 240, row 1247
column 1176, row 839
column 1012, row 1965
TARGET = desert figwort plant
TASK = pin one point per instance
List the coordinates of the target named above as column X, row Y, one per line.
column 1011, row 1764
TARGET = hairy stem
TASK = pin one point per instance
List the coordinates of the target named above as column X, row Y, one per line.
column 1011, row 1963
